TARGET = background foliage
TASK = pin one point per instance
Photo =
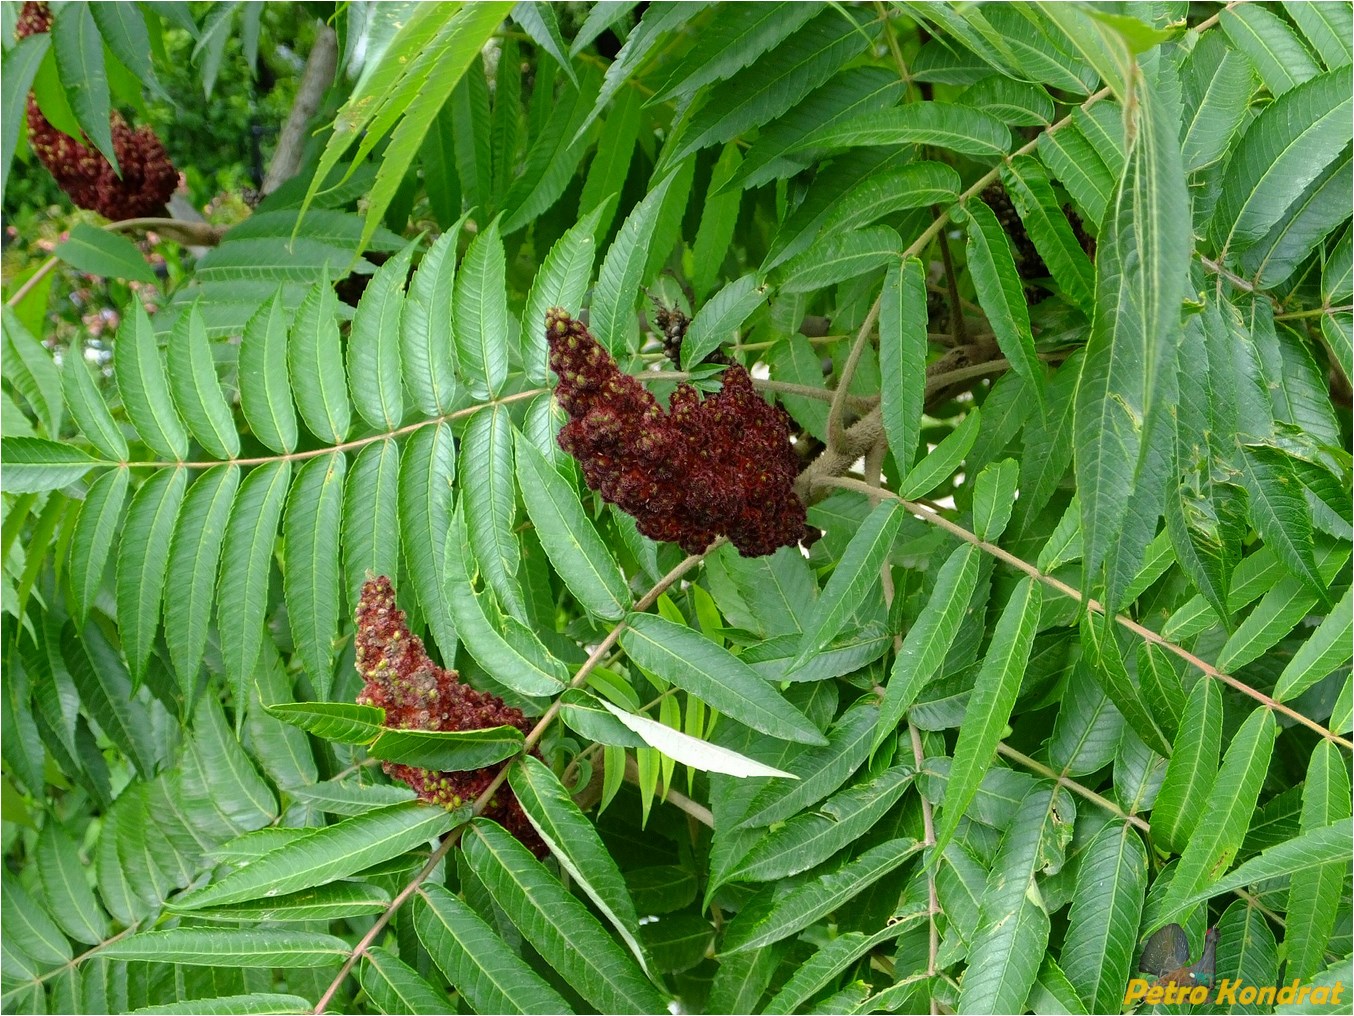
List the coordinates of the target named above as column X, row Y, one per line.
column 1058, row 297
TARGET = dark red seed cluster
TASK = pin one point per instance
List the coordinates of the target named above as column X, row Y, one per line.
column 89, row 180
column 722, row 465
column 1029, row 263
column 416, row 694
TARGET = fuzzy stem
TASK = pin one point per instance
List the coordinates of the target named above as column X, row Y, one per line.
column 933, row 517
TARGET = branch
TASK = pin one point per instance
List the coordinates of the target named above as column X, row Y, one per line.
column 190, row 233
column 953, row 368
column 918, row 245
column 315, row 80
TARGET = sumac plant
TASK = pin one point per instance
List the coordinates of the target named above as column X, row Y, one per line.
column 688, row 507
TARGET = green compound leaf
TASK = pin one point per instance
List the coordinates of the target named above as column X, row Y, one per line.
column 559, row 927
column 476, row 961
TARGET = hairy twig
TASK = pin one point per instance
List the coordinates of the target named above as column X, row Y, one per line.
column 930, row 515
column 954, row 368
column 191, row 233
column 835, row 432
column 360, row 442
column 1077, row 788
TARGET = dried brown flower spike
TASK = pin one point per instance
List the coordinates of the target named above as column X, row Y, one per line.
column 708, row 467
column 147, row 178
column 416, row 694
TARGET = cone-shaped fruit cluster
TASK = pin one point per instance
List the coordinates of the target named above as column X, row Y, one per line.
column 722, row 465
column 416, row 694
column 147, row 177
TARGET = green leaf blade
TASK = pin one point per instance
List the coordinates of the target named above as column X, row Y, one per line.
column 622, row 273
column 1097, row 955
column 327, row 854
column 265, row 395
column 989, row 708
column 96, row 251
column 575, row 843
column 310, row 553
column 902, row 357
column 371, row 522
column 478, row 963
column 316, row 364
column 374, row 346
column 480, row 312
column 447, row 750
column 811, row 837
column 197, row 392
column 758, row 927
column 78, row 48
column 96, row 531
column 194, row 556
column 425, row 497
column 145, row 388
column 1229, row 810
column 992, row 266
column 929, row 639
column 246, row 564
column 570, row 540
column 695, row 664
column 491, row 505
column 857, row 572
column 143, row 562
column 214, row 947
column 561, row 281
column 90, row 410
column 34, row 465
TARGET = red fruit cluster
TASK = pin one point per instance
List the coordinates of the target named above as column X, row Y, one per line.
column 148, row 178
column 416, row 694
column 719, row 466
